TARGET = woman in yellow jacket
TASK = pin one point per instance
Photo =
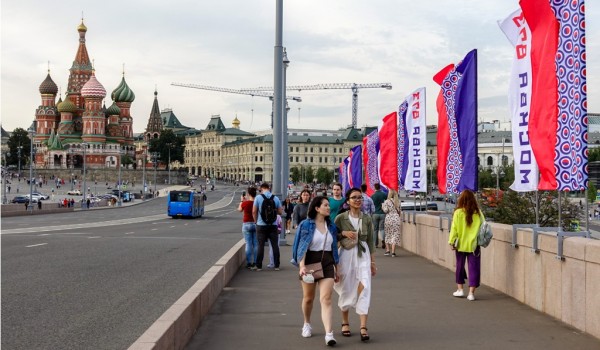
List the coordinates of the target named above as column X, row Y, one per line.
column 463, row 239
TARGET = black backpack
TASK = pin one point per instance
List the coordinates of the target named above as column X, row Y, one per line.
column 268, row 210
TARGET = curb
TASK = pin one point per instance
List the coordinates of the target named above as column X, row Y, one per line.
column 176, row 327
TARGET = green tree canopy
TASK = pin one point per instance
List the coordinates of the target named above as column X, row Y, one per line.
column 295, row 174
column 168, row 140
column 18, row 138
column 324, row 176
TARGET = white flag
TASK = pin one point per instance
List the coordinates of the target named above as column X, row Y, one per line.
column 414, row 169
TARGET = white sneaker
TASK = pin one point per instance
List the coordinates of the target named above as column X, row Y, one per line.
column 459, row 293
column 471, row 297
column 307, row 330
column 329, row 339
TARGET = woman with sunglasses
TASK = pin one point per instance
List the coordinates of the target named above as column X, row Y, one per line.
column 357, row 264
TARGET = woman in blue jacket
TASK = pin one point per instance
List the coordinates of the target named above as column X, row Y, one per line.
column 316, row 240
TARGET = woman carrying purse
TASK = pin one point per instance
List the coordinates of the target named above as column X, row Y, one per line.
column 315, row 244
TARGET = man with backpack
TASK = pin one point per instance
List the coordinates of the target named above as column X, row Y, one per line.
column 265, row 210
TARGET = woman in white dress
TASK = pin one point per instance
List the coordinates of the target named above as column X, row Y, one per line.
column 356, row 262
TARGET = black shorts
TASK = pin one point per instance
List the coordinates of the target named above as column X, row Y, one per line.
column 328, row 262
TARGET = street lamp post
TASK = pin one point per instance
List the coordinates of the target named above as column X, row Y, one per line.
column 169, row 145
column 119, row 184
column 83, row 203
column 19, row 148
column 31, row 160
column 144, row 174
column 155, row 163
column 4, row 183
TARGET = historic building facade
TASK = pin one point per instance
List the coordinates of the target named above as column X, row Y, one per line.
column 81, row 130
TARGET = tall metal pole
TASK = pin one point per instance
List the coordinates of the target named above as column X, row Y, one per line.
column 31, row 160
column 72, row 166
column 278, row 99
column 144, row 174
column 169, row 144
column 19, row 148
column 83, row 204
column 285, row 160
column 119, row 184
column 4, row 173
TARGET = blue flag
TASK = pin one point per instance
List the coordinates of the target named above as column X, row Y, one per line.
column 466, row 120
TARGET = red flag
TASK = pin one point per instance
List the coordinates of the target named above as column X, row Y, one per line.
column 388, row 151
column 544, row 90
column 443, row 135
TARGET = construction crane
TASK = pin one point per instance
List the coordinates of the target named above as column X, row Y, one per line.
column 259, row 93
column 333, row 86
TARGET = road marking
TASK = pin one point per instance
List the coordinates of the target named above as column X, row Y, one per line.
column 35, row 245
column 128, row 233
column 94, row 237
column 154, row 229
column 44, row 234
column 172, row 226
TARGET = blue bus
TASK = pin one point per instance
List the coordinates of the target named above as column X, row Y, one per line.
column 185, row 204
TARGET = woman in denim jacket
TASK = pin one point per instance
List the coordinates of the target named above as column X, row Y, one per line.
column 316, row 240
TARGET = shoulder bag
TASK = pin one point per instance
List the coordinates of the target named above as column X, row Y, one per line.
column 484, row 236
column 316, row 269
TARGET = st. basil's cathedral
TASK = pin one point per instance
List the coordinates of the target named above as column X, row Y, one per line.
column 81, row 126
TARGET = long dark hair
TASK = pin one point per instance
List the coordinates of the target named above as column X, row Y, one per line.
column 314, row 204
column 467, row 201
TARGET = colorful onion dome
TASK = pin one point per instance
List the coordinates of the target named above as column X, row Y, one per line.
column 113, row 109
column 48, row 86
column 93, row 88
column 123, row 93
column 66, row 106
column 81, row 27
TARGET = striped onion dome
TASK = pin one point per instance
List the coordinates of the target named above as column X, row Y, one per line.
column 48, row 86
column 123, row 93
column 113, row 109
column 93, row 88
column 66, row 106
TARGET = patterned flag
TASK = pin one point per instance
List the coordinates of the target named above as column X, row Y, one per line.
column 572, row 130
column 387, row 162
column 412, row 143
column 344, row 175
column 544, row 94
column 370, row 151
column 518, row 33
column 355, row 167
column 466, row 120
column 443, row 136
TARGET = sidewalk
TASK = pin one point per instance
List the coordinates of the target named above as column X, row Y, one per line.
column 412, row 308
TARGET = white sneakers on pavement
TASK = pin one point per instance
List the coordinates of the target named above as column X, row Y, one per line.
column 471, row 297
column 307, row 330
column 329, row 339
column 459, row 293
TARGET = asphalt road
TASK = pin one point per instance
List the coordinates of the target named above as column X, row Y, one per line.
column 98, row 279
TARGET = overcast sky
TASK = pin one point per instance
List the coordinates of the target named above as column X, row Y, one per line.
column 230, row 43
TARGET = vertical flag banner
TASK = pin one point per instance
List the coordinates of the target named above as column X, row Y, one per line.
column 518, row 33
column 454, row 161
column 402, row 144
column 355, row 167
column 466, row 121
column 443, row 136
column 344, row 175
column 544, row 91
column 414, row 167
column 370, row 151
column 387, row 162
column 572, row 129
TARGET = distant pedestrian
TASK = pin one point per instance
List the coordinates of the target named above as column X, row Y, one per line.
column 39, row 205
column 378, row 198
column 336, row 201
column 301, row 209
column 87, row 203
column 265, row 210
column 463, row 240
column 249, row 227
column 392, row 223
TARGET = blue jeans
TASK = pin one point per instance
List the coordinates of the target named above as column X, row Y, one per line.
column 249, row 231
column 378, row 231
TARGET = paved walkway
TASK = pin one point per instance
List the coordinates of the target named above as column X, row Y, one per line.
column 412, row 308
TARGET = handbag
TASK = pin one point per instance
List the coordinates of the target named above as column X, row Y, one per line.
column 348, row 243
column 316, row 269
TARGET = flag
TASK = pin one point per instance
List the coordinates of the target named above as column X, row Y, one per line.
column 412, row 142
column 518, row 33
column 466, row 121
column 370, row 151
column 570, row 159
column 355, row 167
column 454, row 161
column 387, row 162
column 443, row 136
column 344, row 175
column 544, row 93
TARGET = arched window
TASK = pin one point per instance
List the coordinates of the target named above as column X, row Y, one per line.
column 490, row 160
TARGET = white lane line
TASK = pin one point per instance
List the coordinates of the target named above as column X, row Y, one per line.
column 154, row 229
column 44, row 234
column 94, row 237
column 128, row 233
column 35, row 245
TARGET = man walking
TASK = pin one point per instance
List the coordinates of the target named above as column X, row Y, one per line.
column 378, row 216
column 265, row 210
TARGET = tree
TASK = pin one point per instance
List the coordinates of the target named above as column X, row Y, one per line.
column 19, row 137
column 309, row 174
column 324, row 176
column 519, row 208
column 295, row 174
column 591, row 194
column 168, row 140
column 593, row 154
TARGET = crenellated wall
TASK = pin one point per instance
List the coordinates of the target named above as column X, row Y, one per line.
column 567, row 289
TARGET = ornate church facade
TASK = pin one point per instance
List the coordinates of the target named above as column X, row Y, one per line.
column 80, row 130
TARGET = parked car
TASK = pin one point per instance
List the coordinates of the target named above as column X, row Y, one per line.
column 23, row 199
column 36, row 197
column 74, row 192
column 41, row 195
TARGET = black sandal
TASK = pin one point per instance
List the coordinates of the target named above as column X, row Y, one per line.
column 364, row 336
column 346, row 333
